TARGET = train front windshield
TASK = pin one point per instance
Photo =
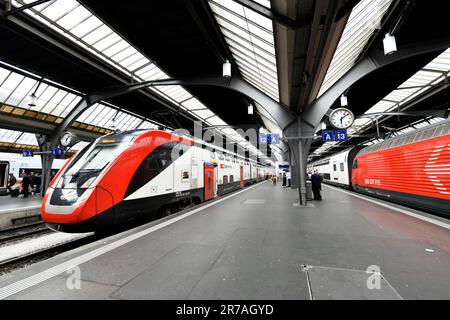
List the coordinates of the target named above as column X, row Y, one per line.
column 91, row 162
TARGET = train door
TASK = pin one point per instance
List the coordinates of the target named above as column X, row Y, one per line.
column 209, row 181
column 241, row 171
column 216, row 179
column 4, row 175
column 335, row 173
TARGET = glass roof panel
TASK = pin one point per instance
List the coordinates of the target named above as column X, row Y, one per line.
column 27, row 139
column 216, row 121
column 78, row 24
column 249, row 36
column 258, row 19
column 58, row 8
column 73, row 18
column 365, row 18
column 3, row 75
column 203, row 113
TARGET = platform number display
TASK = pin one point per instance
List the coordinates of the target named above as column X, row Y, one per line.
column 327, row 136
column 269, row 139
column 334, row 135
column 27, row 153
column 341, row 135
column 57, row 152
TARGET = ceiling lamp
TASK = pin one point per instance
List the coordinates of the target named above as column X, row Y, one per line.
column 344, row 101
column 390, row 45
column 32, row 100
column 250, row 109
column 226, row 69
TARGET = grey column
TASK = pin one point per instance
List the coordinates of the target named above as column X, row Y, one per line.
column 46, row 161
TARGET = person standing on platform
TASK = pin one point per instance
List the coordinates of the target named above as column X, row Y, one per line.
column 288, row 177
column 316, row 183
column 38, row 183
column 284, row 179
column 25, row 184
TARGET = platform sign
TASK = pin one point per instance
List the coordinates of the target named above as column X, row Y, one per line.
column 327, row 136
column 341, row 135
column 269, row 139
column 57, row 152
column 27, row 153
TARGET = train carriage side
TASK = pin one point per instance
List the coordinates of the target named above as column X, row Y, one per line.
column 412, row 169
column 337, row 169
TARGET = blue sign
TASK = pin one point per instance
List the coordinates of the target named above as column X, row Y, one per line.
column 269, row 139
column 27, row 153
column 57, row 152
column 341, row 135
column 327, row 136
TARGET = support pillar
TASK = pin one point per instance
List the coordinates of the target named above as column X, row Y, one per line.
column 293, row 169
column 299, row 135
column 46, row 161
column 301, row 167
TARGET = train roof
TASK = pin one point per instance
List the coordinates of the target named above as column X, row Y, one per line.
column 196, row 140
column 433, row 131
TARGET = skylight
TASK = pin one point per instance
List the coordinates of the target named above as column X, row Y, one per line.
column 365, row 18
column 249, row 36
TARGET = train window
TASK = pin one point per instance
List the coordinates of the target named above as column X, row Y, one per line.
column 158, row 160
column 185, row 175
column 334, row 167
column 342, row 167
column 231, row 178
column 225, row 179
column 355, row 164
column 326, row 176
column 3, row 174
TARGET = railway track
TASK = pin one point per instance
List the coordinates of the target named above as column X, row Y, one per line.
column 34, row 242
column 23, row 231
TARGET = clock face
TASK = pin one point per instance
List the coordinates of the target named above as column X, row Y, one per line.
column 342, row 118
column 67, row 139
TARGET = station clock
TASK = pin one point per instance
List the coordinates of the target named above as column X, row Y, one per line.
column 342, row 118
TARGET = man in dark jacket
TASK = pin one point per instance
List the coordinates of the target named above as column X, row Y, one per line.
column 25, row 184
column 316, row 183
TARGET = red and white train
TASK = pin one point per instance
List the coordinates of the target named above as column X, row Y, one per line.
column 126, row 175
column 412, row 169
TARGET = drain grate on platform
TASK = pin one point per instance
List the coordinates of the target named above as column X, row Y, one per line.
column 255, row 201
column 346, row 284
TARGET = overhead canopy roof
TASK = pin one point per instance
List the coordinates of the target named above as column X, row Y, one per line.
column 412, row 85
column 80, row 47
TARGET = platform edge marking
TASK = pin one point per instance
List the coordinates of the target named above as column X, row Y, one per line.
column 404, row 211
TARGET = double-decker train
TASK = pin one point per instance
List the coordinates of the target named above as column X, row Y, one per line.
column 15, row 164
column 126, row 175
column 412, row 169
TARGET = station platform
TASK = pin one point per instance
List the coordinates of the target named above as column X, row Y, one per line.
column 8, row 203
column 19, row 211
column 256, row 244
